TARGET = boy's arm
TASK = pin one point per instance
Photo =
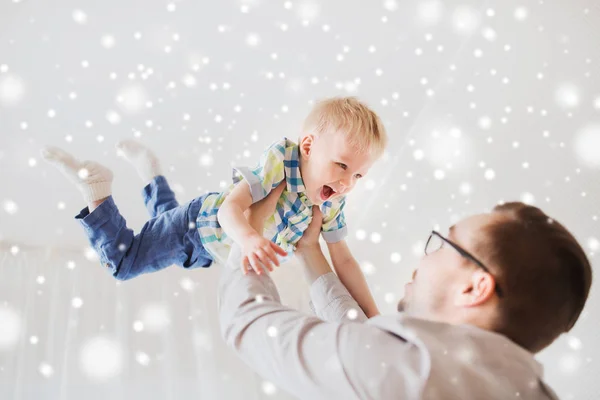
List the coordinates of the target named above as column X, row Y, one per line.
column 349, row 272
column 231, row 213
column 258, row 183
column 255, row 248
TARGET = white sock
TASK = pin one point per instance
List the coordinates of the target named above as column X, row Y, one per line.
column 92, row 179
column 142, row 158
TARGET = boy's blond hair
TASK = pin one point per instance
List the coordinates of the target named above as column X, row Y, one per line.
column 348, row 115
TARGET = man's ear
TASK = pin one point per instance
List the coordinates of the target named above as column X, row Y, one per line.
column 477, row 290
column 305, row 145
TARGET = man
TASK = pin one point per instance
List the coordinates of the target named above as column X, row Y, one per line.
column 497, row 289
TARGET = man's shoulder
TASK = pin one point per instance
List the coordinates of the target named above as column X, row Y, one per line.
column 476, row 355
column 441, row 336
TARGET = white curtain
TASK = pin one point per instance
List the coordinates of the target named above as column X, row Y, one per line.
column 68, row 330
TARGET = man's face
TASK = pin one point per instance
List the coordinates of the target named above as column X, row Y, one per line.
column 442, row 278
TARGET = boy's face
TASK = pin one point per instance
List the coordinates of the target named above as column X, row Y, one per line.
column 330, row 166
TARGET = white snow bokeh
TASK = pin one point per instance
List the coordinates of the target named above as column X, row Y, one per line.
column 80, row 17
column 132, row 98
column 269, row 388
column 447, row 147
column 466, row 19
column 11, row 329
column 571, row 363
column 101, row 358
column 587, row 145
column 46, row 370
column 10, row 207
column 142, row 358
column 484, row 103
column 567, row 95
column 429, row 12
column 308, row 10
column 12, row 90
column 108, row 41
column 155, row 317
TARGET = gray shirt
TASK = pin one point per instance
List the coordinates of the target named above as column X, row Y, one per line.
column 339, row 354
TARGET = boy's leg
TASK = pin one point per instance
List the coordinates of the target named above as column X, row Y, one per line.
column 170, row 238
column 158, row 196
column 93, row 180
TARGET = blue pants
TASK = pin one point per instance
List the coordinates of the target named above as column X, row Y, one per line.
column 169, row 237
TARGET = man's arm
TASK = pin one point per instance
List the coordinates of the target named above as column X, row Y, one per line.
column 308, row 357
column 298, row 353
column 349, row 272
column 293, row 350
column 330, row 300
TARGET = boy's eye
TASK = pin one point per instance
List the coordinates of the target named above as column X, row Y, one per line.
column 344, row 166
column 358, row 176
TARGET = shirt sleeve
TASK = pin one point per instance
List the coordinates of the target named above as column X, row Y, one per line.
column 331, row 301
column 334, row 226
column 267, row 174
column 301, row 354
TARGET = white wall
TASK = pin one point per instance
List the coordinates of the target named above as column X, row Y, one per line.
column 500, row 105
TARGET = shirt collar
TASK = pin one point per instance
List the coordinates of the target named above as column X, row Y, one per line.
column 291, row 163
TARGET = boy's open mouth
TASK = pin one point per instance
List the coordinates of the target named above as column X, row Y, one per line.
column 326, row 192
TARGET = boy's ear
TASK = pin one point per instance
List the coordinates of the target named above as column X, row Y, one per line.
column 305, row 145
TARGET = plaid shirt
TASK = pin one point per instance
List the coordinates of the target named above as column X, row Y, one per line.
column 293, row 212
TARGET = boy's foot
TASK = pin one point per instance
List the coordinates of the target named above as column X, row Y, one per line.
column 93, row 180
column 142, row 158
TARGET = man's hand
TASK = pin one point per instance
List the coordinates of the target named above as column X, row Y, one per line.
column 260, row 211
column 258, row 251
column 308, row 250
column 310, row 238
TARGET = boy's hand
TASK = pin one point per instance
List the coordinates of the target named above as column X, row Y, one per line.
column 259, row 252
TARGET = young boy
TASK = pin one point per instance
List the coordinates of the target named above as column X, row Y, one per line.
column 341, row 138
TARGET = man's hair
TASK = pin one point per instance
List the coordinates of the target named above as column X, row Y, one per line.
column 361, row 125
column 542, row 270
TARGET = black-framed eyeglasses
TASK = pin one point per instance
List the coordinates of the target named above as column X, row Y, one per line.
column 436, row 241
